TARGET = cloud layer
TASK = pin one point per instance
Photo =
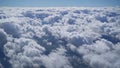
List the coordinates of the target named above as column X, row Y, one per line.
column 60, row 37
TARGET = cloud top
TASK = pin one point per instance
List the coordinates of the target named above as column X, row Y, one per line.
column 60, row 37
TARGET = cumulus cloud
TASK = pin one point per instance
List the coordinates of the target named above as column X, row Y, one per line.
column 11, row 28
column 3, row 38
column 56, row 59
column 23, row 51
column 101, row 54
column 60, row 37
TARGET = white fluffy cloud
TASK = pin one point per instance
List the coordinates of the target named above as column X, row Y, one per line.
column 101, row 54
column 56, row 59
column 23, row 52
column 52, row 37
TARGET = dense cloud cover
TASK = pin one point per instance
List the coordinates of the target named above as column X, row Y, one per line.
column 60, row 37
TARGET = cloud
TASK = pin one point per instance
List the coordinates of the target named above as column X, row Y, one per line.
column 1, row 65
column 60, row 37
column 101, row 54
column 23, row 51
column 3, row 38
column 56, row 59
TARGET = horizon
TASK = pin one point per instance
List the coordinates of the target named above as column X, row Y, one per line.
column 58, row 3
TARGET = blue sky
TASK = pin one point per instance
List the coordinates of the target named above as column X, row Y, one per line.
column 59, row 3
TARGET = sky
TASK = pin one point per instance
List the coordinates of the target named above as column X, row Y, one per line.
column 58, row 3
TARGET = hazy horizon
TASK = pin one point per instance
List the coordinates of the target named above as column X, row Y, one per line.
column 59, row 3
